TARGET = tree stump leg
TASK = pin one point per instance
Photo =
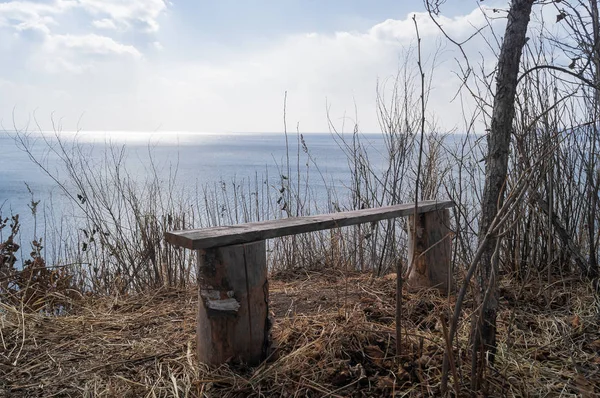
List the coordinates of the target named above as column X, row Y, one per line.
column 432, row 260
column 233, row 293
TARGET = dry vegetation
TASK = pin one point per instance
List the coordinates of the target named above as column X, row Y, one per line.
column 333, row 336
column 109, row 308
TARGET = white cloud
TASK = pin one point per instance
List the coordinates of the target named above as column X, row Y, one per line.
column 245, row 93
column 459, row 28
column 43, row 28
column 90, row 44
column 105, row 23
column 242, row 93
column 128, row 12
column 78, row 54
column 22, row 15
column 128, row 90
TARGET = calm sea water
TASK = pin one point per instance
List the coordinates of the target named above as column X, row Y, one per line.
column 199, row 159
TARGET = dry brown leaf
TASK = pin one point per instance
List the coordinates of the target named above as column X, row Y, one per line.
column 584, row 386
column 402, row 374
column 390, row 277
column 375, row 353
column 595, row 345
column 385, row 382
column 576, row 322
column 423, row 360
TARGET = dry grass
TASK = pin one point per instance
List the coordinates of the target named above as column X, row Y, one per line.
column 333, row 337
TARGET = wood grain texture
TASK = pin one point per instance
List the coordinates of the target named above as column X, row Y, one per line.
column 206, row 238
column 233, row 310
column 431, row 268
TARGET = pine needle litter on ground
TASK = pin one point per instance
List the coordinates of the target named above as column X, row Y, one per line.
column 333, row 336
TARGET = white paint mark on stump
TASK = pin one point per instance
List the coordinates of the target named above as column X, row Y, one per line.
column 212, row 299
column 229, row 304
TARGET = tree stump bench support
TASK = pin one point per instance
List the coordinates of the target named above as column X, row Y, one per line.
column 233, row 315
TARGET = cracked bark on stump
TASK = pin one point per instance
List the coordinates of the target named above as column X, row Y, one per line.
column 431, row 267
column 233, row 322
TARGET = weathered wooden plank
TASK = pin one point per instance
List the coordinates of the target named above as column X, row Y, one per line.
column 233, row 312
column 251, row 232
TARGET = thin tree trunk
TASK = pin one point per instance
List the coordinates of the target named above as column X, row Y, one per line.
column 484, row 325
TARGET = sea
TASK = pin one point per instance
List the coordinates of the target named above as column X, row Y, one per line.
column 32, row 164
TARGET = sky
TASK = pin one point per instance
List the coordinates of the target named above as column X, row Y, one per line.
column 223, row 65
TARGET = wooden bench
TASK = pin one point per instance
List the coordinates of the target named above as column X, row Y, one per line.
column 233, row 316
